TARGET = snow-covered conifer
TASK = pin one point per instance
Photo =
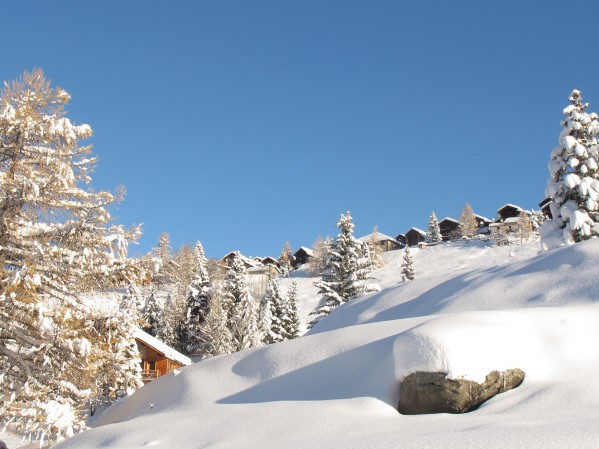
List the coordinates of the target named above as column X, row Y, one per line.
column 467, row 222
column 265, row 318
column 347, row 272
column 152, row 315
column 278, row 313
column 407, row 266
column 292, row 323
column 198, row 295
column 433, row 234
column 574, row 178
column 164, row 256
column 243, row 312
column 56, row 243
column 215, row 333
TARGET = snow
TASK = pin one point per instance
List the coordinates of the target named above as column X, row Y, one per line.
column 471, row 309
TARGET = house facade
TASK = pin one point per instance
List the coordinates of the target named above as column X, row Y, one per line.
column 385, row 242
column 157, row 358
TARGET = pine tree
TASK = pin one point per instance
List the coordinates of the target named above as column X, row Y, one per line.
column 468, row 225
column 347, row 271
column 242, row 313
column 285, row 260
column 433, row 234
column 216, row 335
column 574, row 178
column 198, row 296
column 56, row 243
column 292, row 324
column 407, row 266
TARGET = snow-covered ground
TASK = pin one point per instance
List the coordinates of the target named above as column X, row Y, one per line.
column 471, row 309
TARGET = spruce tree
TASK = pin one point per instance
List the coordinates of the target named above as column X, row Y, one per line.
column 574, row 178
column 265, row 318
column 292, row 324
column 468, row 225
column 57, row 243
column 198, row 296
column 347, row 272
column 278, row 315
column 242, row 313
column 407, row 266
column 216, row 335
column 433, row 234
column 152, row 315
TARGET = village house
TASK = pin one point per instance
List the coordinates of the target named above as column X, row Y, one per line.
column 507, row 220
column 448, row 227
column 384, row 241
column 301, row 256
column 414, row 236
column 157, row 358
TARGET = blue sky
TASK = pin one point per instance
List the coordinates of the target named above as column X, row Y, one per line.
column 245, row 124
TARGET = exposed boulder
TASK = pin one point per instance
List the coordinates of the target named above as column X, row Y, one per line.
column 427, row 392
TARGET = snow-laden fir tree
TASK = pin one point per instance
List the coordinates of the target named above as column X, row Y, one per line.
column 56, row 242
column 198, row 296
column 574, row 178
column 347, row 273
column 278, row 313
column 216, row 335
column 243, row 311
column 433, row 233
column 467, row 224
column 407, row 266
column 164, row 258
column 170, row 329
column 152, row 314
column 292, row 321
column 285, row 260
column 265, row 318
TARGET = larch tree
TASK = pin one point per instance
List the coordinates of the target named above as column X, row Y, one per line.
column 375, row 249
column 286, row 259
column 433, row 234
column 524, row 229
column 320, row 253
column 347, row 273
column 574, row 178
column 57, row 241
column 216, row 335
column 407, row 266
column 467, row 224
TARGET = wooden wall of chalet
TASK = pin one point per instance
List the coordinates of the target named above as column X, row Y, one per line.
column 152, row 360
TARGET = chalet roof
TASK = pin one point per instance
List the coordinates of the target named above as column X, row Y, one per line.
column 161, row 347
column 267, row 259
column 485, row 219
column 545, row 202
column 419, row 231
column 453, row 220
column 246, row 260
column 308, row 251
column 509, row 205
column 380, row 238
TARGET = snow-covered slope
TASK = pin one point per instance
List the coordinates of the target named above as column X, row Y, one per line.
column 472, row 308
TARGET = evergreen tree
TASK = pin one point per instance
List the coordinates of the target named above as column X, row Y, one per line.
column 265, row 318
column 407, row 266
column 347, row 271
column 468, row 225
column 292, row 324
column 152, row 316
column 164, row 257
column 278, row 315
column 56, row 243
column 433, row 234
column 216, row 335
column 574, row 178
column 242, row 314
column 198, row 296
column 286, row 259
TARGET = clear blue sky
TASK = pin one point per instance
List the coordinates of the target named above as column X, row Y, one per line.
column 245, row 124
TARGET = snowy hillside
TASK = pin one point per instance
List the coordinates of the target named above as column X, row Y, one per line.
column 471, row 309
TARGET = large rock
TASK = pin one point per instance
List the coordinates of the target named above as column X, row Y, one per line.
column 426, row 392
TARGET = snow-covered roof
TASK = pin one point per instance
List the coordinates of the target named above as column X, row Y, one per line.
column 453, row 220
column 483, row 218
column 380, row 237
column 419, row 231
column 308, row 251
column 246, row 260
column 509, row 205
column 161, row 347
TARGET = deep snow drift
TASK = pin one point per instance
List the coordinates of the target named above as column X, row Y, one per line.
column 470, row 310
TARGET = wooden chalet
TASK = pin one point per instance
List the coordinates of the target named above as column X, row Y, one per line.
column 157, row 358
column 448, row 227
column 508, row 211
column 414, row 236
column 401, row 238
column 301, row 256
column 545, row 206
column 483, row 222
column 384, row 241
column 227, row 260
